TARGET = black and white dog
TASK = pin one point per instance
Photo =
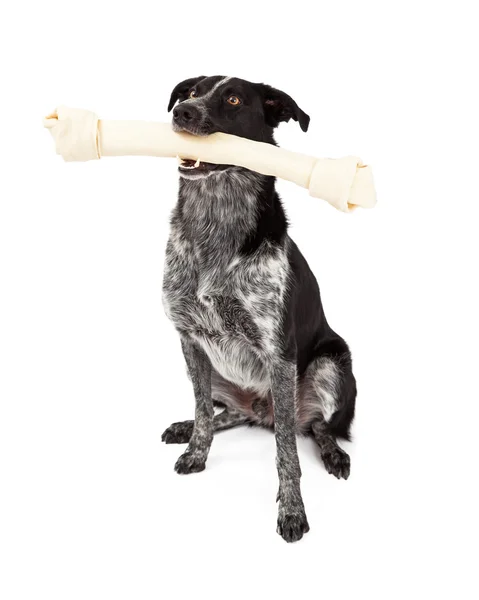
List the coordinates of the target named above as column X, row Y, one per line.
column 245, row 303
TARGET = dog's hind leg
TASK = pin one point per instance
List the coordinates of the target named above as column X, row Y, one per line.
column 180, row 433
column 335, row 459
column 326, row 407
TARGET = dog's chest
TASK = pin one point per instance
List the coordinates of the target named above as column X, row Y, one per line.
column 230, row 304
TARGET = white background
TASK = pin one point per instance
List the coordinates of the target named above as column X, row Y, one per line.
column 91, row 371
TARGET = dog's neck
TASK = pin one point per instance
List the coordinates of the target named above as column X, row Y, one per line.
column 223, row 205
column 229, row 213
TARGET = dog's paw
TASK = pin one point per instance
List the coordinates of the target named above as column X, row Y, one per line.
column 178, row 433
column 337, row 462
column 291, row 527
column 190, row 462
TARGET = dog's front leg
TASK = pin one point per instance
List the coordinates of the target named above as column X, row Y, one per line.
column 199, row 368
column 292, row 521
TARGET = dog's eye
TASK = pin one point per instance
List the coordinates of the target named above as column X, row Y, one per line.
column 193, row 94
column 234, row 100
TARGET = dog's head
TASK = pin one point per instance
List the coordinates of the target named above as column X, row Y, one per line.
column 229, row 105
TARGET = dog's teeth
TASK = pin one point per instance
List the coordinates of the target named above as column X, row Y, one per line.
column 184, row 163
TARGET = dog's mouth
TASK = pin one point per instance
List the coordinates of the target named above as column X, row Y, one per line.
column 192, row 166
column 196, row 169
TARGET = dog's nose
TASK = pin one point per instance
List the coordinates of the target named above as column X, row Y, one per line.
column 184, row 115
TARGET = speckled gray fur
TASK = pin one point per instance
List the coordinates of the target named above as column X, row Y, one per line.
column 292, row 522
column 199, row 368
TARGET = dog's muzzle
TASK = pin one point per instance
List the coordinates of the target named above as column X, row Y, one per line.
column 188, row 118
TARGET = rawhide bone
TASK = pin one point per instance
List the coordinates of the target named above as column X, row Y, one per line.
column 79, row 135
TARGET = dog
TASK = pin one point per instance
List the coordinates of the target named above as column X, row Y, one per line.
column 245, row 303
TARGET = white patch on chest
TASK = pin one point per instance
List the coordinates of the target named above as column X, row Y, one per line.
column 235, row 361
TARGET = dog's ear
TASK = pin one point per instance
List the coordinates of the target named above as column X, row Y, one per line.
column 279, row 107
column 181, row 90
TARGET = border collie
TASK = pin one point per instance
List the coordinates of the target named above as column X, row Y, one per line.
column 245, row 303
